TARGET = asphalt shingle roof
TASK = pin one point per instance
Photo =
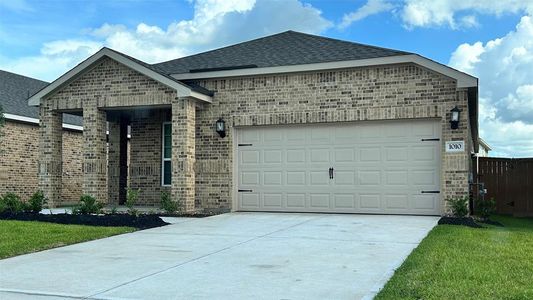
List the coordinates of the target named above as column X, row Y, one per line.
column 14, row 93
column 283, row 49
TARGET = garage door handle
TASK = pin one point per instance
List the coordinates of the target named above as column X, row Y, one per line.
column 245, row 191
column 430, row 192
column 330, row 173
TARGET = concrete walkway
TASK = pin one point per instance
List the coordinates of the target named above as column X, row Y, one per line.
column 230, row 256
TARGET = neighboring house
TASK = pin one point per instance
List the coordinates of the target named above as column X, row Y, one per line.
column 484, row 148
column 20, row 143
column 288, row 122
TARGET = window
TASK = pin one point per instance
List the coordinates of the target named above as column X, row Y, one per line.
column 166, row 167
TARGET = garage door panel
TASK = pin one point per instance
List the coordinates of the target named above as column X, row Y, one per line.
column 344, row 178
column 370, row 154
column 319, row 178
column 396, row 154
column 379, row 167
column 320, row 155
column 370, row 201
column 296, row 156
column 296, row 201
column 424, row 177
column 344, row 154
column 272, row 200
column 249, row 200
column 272, row 178
column 250, row 178
column 344, row 201
column 396, row 201
column 272, row 156
column 319, row 200
column 424, row 202
column 296, row 178
column 370, row 178
column 247, row 157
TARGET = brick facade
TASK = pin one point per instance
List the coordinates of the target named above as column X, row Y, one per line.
column 20, row 158
column 203, row 162
column 358, row 94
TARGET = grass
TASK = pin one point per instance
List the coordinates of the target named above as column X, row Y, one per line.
column 457, row 262
column 20, row 237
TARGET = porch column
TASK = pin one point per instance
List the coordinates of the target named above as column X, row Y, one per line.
column 94, row 152
column 183, row 152
column 50, row 154
column 117, row 160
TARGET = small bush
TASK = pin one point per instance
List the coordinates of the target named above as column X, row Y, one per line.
column 88, row 205
column 167, row 204
column 459, row 206
column 11, row 203
column 486, row 208
column 36, row 202
column 131, row 199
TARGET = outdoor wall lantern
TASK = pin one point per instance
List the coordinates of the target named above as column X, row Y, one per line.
column 454, row 118
column 220, row 127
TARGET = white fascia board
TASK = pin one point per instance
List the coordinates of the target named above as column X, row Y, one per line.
column 181, row 89
column 463, row 79
column 36, row 121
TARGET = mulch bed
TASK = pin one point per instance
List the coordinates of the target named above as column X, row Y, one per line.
column 466, row 221
column 139, row 222
column 491, row 222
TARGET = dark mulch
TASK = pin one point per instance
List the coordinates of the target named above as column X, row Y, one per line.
column 466, row 221
column 140, row 222
column 191, row 215
column 491, row 222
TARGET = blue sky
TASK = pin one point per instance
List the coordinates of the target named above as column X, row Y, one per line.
column 492, row 40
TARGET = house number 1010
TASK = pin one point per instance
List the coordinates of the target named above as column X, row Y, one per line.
column 455, row 146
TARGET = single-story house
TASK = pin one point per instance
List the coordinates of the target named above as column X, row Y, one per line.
column 19, row 151
column 290, row 122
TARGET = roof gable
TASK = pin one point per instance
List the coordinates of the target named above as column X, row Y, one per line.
column 145, row 69
column 14, row 92
column 283, row 49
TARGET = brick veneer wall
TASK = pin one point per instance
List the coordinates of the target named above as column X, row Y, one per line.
column 404, row 91
column 145, row 155
column 19, row 162
column 370, row 93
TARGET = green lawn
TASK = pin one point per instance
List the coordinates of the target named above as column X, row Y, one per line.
column 457, row 262
column 20, row 237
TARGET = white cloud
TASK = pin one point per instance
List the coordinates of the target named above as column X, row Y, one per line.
column 372, row 7
column 505, row 70
column 215, row 23
column 423, row 13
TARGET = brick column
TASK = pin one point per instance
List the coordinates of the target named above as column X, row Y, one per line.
column 183, row 152
column 94, row 152
column 50, row 154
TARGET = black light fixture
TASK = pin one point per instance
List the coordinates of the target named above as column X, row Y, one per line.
column 220, row 127
column 455, row 117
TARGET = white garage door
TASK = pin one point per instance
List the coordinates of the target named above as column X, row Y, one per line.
column 367, row 167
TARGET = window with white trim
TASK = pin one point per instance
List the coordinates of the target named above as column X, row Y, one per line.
column 166, row 161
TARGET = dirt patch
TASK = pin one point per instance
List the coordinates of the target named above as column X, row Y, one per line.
column 114, row 220
column 466, row 221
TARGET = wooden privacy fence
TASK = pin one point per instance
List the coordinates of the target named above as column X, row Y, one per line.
column 510, row 182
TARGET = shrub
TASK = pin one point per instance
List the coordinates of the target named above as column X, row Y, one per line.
column 131, row 199
column 36, row 202
column 11, row 203
column 167, row 204
column 88, row 205
column 459, row 206
column 486, row 208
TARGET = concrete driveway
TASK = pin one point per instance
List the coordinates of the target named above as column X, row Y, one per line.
column 230, row 256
